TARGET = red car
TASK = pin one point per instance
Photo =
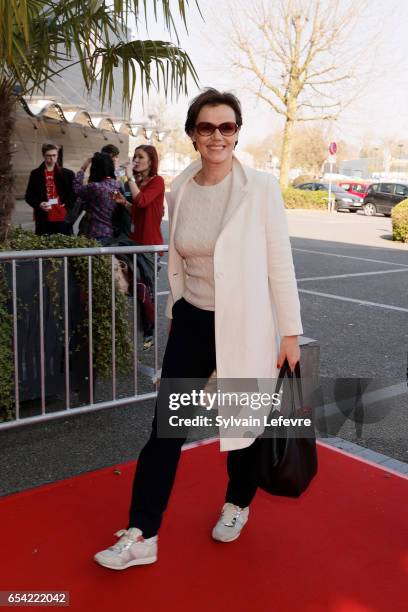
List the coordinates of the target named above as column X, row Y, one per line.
column 358, row 189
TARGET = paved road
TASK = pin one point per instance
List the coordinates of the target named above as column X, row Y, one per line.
column 353, row 286
column 22, row 214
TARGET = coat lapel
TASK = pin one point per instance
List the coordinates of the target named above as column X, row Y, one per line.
column 239, row 189
column 180, row 186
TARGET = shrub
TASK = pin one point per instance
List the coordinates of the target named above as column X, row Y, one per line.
column 399, row 216
column 300, row 198
column 303, row 178
column 101, row 282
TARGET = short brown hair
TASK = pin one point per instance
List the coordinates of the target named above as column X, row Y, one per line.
column 111, row 150
column 48, row 146
column 211, row 97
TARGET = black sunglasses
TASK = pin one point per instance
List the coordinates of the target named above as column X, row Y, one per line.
column 228, row 128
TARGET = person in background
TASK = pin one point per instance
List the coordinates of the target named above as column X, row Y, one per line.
column 113, row 151
column 147, row 195
column 50, row 193
column 122, row 220
column 146, row 208
column 98, row 194
column 81, row 204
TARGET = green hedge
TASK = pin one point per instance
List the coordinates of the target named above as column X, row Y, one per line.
column 21, row 240
column 300, row 198
column 302, row 178
column 399, row 216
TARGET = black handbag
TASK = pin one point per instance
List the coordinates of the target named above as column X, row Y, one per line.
column 285, row 465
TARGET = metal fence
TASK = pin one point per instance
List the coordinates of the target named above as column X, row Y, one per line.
column 39, row 259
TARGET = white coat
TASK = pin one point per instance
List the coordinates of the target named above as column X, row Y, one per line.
column 256, row 297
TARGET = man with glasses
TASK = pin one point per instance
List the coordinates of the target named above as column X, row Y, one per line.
column 50, row 193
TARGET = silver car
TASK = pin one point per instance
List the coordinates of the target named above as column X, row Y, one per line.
column 343, row 199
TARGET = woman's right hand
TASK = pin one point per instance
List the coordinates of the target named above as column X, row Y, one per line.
column 129, row 170
column 86, row 163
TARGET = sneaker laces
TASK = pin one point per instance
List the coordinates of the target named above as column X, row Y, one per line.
column 126, row 540
column 230, row 514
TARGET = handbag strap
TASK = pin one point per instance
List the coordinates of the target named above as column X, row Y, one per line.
column 286, row 371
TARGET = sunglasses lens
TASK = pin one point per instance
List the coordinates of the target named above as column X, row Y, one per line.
column 228, row 129
column 205, row 129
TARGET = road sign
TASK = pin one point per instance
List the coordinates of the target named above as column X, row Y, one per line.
column 332, row 160
column 333, row 148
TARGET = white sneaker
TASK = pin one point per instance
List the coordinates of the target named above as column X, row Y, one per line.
column 230, row 523
column 131, row 549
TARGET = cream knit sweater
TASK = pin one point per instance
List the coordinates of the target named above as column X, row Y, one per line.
column 199, row 222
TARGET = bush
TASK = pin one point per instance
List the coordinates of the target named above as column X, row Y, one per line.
column 20, row 240
column 299, row 198
column 303, row 178
column 399, row 216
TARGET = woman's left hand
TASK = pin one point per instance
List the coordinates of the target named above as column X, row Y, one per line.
column 289, row 349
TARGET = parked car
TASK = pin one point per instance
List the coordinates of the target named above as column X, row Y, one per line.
column 382, row 197
column 357, row 189
column 343, row 199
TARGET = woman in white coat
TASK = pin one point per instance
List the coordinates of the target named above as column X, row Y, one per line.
column 235, row 308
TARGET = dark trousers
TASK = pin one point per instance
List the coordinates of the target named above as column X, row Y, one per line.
column 47, row 228
column 190, row 354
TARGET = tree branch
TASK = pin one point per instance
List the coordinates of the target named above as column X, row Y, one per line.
column 244, row 46
column 311, row 105
column 278, row 52
column 319, row 118
column 320, row 72
column 331, row 81
column 262, row 96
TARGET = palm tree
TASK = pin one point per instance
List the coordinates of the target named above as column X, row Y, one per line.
column 41, row 38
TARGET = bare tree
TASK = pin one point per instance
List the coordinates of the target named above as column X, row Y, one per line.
column 296, row 57
column 309, row 150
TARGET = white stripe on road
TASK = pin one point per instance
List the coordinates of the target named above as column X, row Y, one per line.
column 315, row 278
column 389, row 263
column 346, row 299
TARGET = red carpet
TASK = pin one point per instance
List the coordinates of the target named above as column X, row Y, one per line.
column 342, row 547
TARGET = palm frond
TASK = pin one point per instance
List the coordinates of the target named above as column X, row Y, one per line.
column 160, row 64
column 49, row 36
